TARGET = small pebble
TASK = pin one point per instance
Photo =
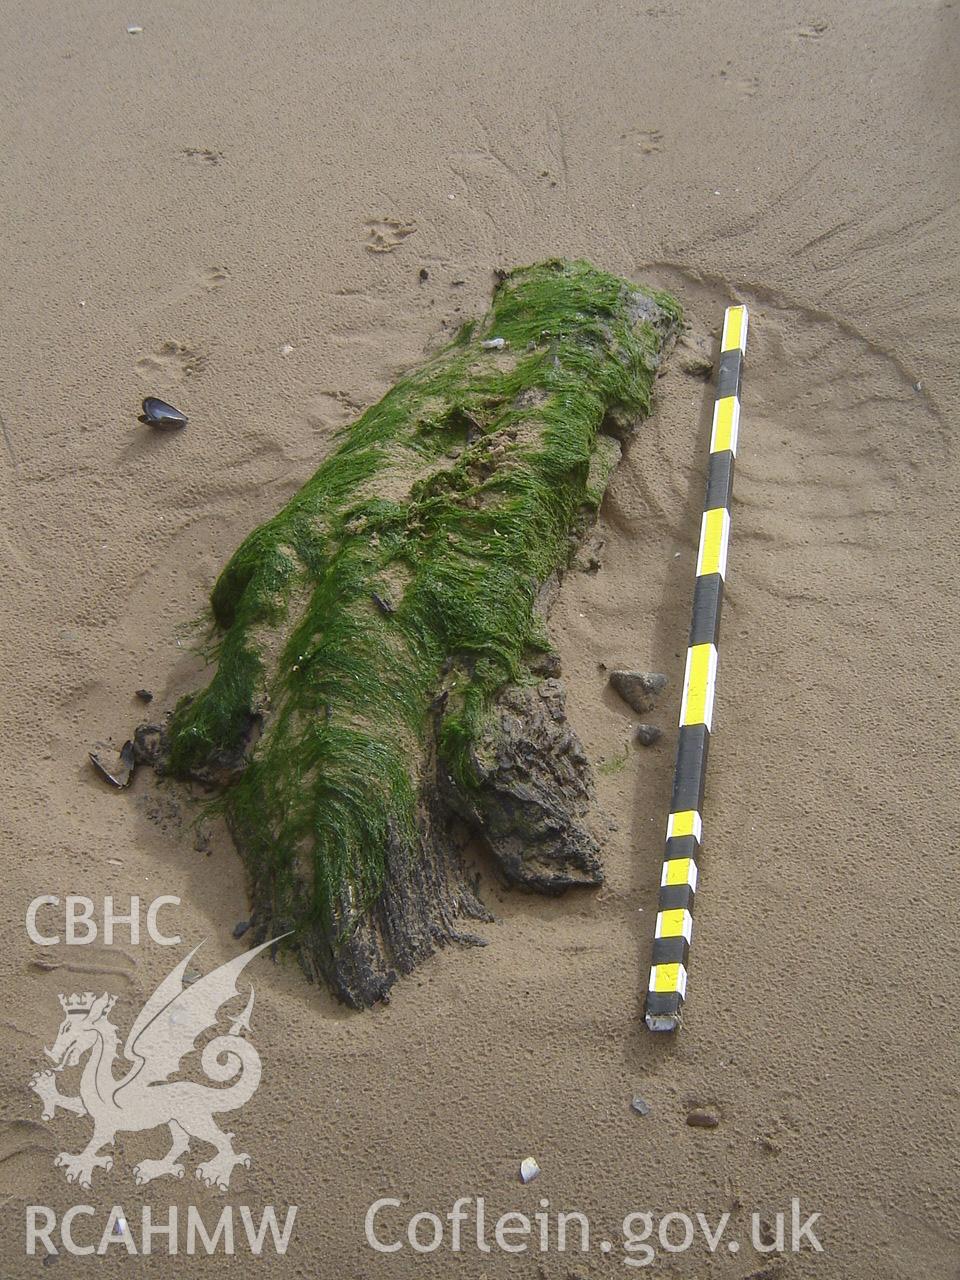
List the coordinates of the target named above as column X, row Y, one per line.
column 766, row 1236
column 240, row 928
column 648, row 734
column 493, row 344
column 529, row 1169
column 703, row 1118
column 286, row 349
column 639, row 689
column 133, row 30
column 641, row 1107
column 191, row 975
column 696, row 365
column 546, row 665
column 424, row 275
column 144, row 695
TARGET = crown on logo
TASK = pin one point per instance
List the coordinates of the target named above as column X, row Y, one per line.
column 77, row 1003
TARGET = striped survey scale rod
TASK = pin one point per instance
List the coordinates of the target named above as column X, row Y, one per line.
column 678, row 880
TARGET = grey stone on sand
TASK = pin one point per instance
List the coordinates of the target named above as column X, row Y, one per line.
column 639, row 689
column 545, row 664
column 696, row 365
column 694, row 355
column 648, row 734
column 703, row 1118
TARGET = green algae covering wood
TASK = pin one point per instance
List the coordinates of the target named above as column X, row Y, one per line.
column 376, row 637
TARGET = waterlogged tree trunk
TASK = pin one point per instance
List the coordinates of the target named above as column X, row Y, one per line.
column 378, row 638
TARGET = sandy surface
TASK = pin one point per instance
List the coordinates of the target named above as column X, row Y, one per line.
column 180, row 204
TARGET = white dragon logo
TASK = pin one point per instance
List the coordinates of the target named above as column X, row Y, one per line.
column 164, row 1032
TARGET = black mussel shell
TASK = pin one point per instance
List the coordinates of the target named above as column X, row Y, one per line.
column 160, row 414
column 113, row 765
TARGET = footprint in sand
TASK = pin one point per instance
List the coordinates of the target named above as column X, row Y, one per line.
column 811, row 30
column 384, row 234
column 649, row 141
column 213, row 278
column 633, row 146
column 644, row 141
column 330, row 409
column 203, row 155
column 174, row 361
column 746, row 86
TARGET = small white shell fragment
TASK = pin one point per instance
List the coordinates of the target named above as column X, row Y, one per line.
column 134, row 30
column 286, row 349
column 494, row 344
column 120, row 1226
column 529, row 1169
